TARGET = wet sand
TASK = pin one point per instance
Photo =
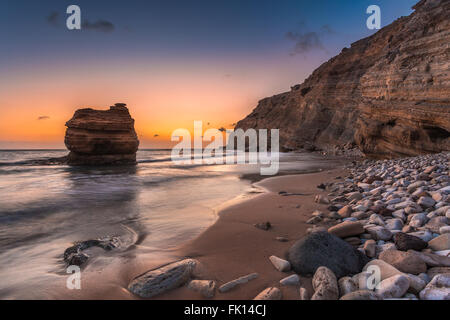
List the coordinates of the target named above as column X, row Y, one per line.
column 233, row 247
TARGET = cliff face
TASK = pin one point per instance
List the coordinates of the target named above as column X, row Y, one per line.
column 389, row 93
column 99, row 137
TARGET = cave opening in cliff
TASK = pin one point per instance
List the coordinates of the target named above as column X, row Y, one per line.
column 437, row 134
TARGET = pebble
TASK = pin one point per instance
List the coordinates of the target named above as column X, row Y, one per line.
column 397, row 213
column 304, row 294
column 206, row 287
column 269, row 294
column 230, row 285
column 293, row 280
column 280, row 264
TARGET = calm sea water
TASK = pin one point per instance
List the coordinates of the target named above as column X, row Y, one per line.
column 152, row 207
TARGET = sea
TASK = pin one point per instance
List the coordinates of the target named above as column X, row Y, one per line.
column 152, row 208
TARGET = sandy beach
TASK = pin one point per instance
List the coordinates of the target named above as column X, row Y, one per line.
column 233, row 247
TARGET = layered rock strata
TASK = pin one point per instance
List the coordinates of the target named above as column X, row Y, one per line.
column 101, row 137
column 388, row 94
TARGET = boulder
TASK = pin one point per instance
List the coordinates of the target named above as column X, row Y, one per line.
column 432, row 260
column 385, row 269
column 405, row 242
column 437, row 289
column 416, row 284
column 325, row 285
column 160, row 280
column 440, row 243
column 404, row 261
column 393, row 287
column 432, row 272
column 323, row 249
column 346, row 285
column 101, row 137
column 347, row 229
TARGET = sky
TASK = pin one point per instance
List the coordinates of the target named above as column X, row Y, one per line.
column 171, row 61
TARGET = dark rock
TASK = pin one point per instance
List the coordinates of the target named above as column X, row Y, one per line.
column 76, row 259
column 323, row 249
column 74, row 255
column 321, row 186
column 333, row 208
column 385, row 212
column 405, row 242
column 263, row 225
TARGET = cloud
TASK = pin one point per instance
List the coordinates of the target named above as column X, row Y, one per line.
column 43, row 118
column 307, row 41
column 99, row 25
column 53, row 19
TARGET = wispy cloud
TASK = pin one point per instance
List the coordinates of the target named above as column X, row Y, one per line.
column 53, row 19
column 99, row 25
column 43, row 118
column 307, row 41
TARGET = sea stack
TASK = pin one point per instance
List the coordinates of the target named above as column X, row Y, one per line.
column 101, row 137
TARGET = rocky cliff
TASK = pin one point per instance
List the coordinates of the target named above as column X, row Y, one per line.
column 389, row 94
column 101, row 137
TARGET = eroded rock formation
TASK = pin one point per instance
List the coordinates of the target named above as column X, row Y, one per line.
column 389, row 94
column 101, row 137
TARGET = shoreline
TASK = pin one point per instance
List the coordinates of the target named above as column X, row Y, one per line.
column 233, row 247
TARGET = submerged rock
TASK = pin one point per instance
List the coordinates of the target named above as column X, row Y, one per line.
column 74, row 255
column 101, row 137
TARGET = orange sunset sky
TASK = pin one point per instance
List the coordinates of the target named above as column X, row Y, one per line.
column 171, row 64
